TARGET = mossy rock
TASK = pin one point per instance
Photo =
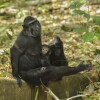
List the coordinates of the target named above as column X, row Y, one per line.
column 67, row 87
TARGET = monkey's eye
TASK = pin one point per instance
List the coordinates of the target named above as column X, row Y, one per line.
column 46, row 50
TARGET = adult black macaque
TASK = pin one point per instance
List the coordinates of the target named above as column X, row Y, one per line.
column 26, row 51
column 26, row 56
column 57, row 56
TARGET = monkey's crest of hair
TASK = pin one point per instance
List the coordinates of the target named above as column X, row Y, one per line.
column 56, row 42
column 28, row 20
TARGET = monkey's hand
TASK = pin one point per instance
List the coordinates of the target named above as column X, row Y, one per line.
column 86, row 66
column 19, row 81
column 43, row 68
column 18, row 78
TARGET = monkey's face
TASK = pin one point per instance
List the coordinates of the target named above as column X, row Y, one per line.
column 56, row 45
column 32, row 26
column 46, row 50
column 56, row 42
column 35, row 28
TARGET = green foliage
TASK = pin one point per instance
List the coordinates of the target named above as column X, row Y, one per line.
column 10, row 34
column 96, row 29
column 3, row 39
column 66, row 29
column 89, row 36
column 96, row 19
column 4, row 5
column 82, row 13
column 6, row 34
column 97, row 51
column 81, row 29
column 5, row 62
column 97, row 35
column 77, row 4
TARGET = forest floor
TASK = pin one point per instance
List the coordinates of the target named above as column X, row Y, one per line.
column 56, row 18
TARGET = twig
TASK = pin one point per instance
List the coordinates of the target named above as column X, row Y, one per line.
column 49, row 91
column 37, row 92
column 91, row 81
column 52, row 94
column 82, row 95
column 93, row 58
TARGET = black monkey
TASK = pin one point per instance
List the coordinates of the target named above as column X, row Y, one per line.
column 26, row 51
column 45, row 55
column 57, row 56
column 46, row 51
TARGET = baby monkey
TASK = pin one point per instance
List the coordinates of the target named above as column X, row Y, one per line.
column 46, row 51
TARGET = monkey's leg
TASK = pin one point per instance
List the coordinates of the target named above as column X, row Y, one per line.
column 34, row 76
column 43, row 74
column 56, row 73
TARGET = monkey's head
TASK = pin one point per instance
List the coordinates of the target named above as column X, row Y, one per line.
column 31, row 26
column 46, row 50
column 56, row 45
column 56, row 42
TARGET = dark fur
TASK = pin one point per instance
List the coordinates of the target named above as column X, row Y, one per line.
column 45, row 55
column 57, row 56
column 26, row 51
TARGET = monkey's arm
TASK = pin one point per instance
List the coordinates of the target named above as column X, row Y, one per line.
column 15, row 53
column 56, row 73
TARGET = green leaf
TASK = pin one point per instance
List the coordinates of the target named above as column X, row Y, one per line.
column 96, row 19
column 77, row 4
column 97, row 51
column 87, row 16
column 80, row 12
column 97, row 35
column 81, row 29
column 65, row 28
column 88, row 37
column 4, row 5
